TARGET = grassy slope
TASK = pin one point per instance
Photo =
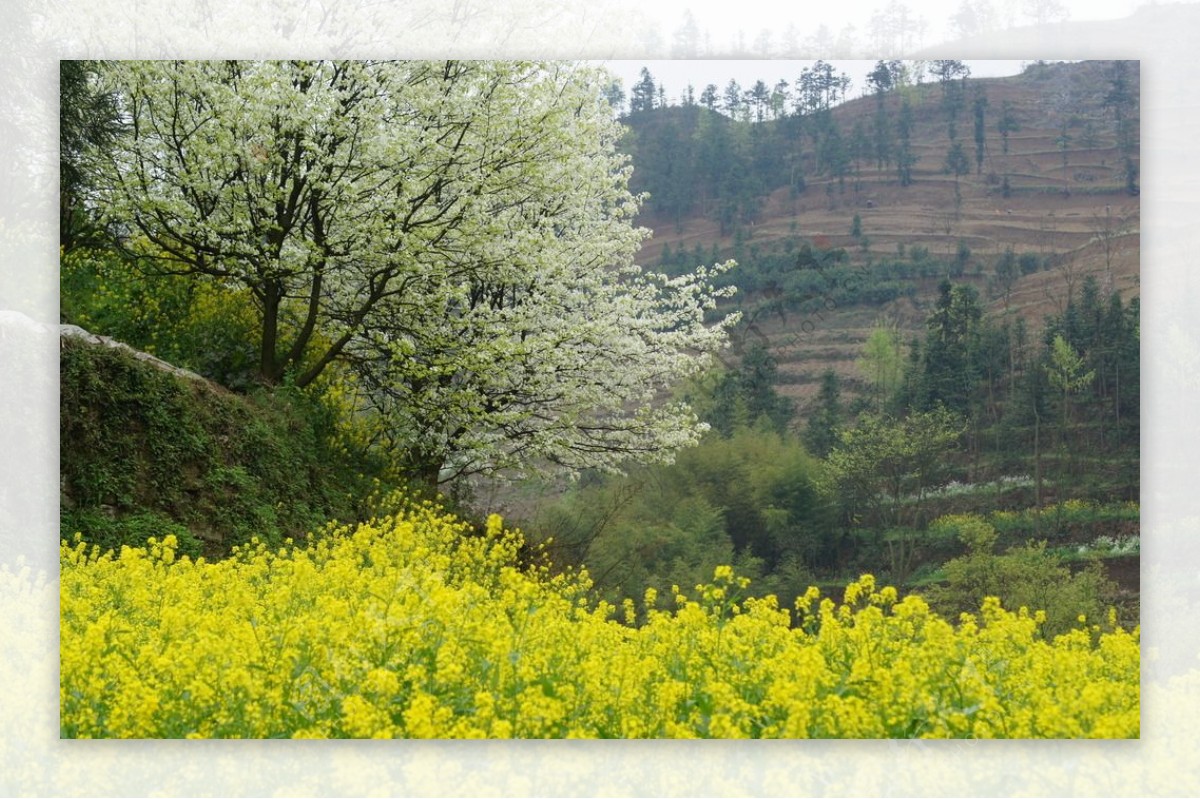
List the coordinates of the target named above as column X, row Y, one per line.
column 145, row 453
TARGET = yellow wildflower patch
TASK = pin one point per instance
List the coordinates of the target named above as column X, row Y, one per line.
column 413, row 626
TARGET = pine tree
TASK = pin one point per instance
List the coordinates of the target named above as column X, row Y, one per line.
column 644, row 93
column 980, row 131
column 949, row 344
column 825, row 420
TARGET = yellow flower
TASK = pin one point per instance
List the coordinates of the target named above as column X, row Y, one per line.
column 405, row 626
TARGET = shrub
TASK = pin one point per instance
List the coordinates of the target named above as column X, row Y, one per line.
column 108, row 531
column 753, row 499
column 1027, row 577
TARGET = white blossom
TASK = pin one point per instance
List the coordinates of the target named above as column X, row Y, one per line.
column 460, row 232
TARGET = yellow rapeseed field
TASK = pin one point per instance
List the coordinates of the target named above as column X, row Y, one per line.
column 410, row 626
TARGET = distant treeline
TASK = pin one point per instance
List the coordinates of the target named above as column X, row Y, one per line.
column 720, row 153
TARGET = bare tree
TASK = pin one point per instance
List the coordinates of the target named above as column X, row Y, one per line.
column 1107, row 227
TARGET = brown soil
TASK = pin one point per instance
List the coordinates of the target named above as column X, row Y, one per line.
column 1126, row 572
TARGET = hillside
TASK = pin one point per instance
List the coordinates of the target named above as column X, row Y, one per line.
column 1060, row 196
column 148, row 449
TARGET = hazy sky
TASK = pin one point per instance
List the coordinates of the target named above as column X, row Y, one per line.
column 727, row 26
column 724, row 19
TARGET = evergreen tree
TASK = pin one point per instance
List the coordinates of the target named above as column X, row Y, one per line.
column 760, row 98
column 1007, row 273
column 779, row 99
column 643, row 94
column 1123, row 327
column 759, row 376
column 980, row 131
column 664, row 260
column 614, row 93
column 861, row 147
column 912, row 384
column 664, row 148
column 881, row 80
column 991, row 364
column 1121, row 99
column 834, row 157
column 949, row 72
column 733, row 99
column 956, row 161
column 949, row 344
column 1007, row 123
column 825, row 420
column 747, row 396
column 905, row 159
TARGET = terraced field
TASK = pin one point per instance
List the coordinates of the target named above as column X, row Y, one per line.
column 1068, row 207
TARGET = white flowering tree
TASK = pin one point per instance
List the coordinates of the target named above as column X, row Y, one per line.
column 460, row 232
column 568, row 370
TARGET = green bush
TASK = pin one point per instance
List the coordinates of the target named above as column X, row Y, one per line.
column 110, row 532
column 753, row 499
column 1026, row 576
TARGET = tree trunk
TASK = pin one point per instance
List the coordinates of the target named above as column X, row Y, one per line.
column 1117, row 396
column 269, row 368
column 426, row 471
